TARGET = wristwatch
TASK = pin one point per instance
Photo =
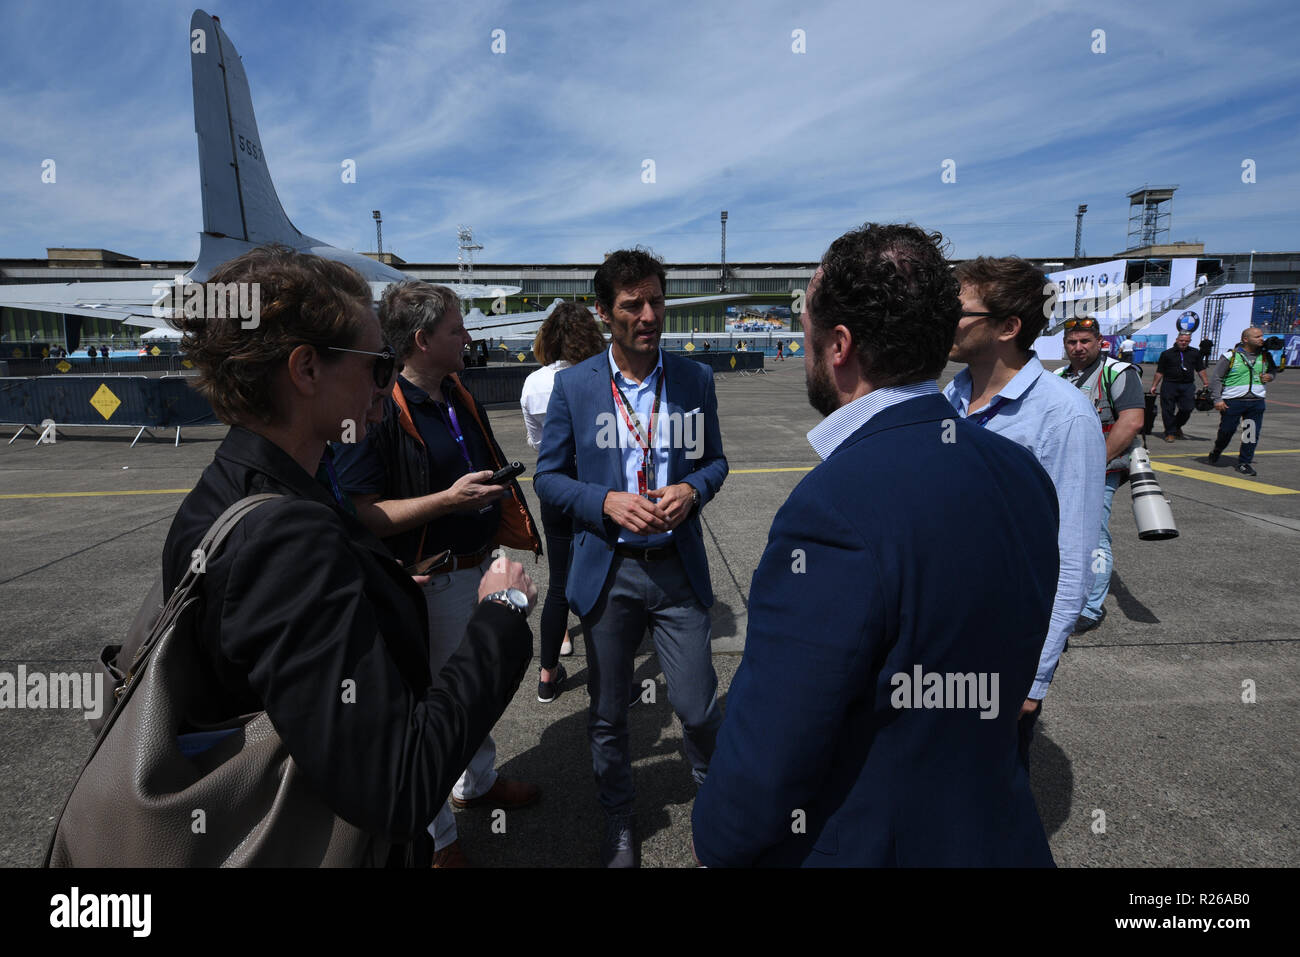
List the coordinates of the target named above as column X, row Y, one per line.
column 695, row 498
column 511, row 598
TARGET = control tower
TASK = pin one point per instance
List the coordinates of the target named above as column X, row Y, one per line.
column 1150, row 213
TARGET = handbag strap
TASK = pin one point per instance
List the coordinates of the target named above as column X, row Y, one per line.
column 209, row 546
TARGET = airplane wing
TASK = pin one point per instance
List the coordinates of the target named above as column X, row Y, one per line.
column 130, row 301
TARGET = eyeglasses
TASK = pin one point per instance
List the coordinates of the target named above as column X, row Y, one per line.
column 385, row 363
column 1080, row 324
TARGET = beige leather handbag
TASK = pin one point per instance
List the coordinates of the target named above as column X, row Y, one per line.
column 224, row 796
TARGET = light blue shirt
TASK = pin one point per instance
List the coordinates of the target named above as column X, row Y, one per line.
column 827, row 436
column 641, row 396
column 1060, row 427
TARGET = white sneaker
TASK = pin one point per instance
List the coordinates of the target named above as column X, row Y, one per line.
column 566, row 647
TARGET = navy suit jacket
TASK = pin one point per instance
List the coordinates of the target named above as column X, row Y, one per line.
column 900, row 550
column 574, row 474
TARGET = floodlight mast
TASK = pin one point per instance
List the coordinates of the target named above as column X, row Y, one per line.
column 465, row 254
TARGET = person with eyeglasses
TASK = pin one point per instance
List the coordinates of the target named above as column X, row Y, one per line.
column 419, row 481
column 303, row 596
column 1115, row 391
column 1005, row 389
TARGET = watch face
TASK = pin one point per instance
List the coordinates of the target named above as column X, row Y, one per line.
column 517, row 597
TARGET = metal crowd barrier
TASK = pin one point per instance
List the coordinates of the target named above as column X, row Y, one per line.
column 40, row 405
column 142, row 403
column 728, row 361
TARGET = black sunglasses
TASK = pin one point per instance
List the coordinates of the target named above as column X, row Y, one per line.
column 385, row 363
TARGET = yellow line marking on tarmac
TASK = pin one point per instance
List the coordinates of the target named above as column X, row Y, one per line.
column 1197, row 455
column 1260, row 488
column 140, row 491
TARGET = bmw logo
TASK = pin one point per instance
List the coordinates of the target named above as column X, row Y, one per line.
column 1188, row 321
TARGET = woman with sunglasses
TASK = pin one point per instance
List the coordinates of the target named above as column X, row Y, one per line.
column 306, row 615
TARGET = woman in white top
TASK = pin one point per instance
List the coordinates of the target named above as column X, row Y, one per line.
column 568, row 336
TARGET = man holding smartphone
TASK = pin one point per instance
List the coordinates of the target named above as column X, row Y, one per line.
column 422, row 481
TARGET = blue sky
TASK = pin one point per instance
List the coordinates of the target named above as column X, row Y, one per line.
column 541, row 148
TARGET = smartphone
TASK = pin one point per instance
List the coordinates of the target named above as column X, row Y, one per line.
column 430, row 564
column 504, row 475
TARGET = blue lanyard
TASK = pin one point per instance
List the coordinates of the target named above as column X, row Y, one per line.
column 991, row 411
column 456, row 432
column 327, row 462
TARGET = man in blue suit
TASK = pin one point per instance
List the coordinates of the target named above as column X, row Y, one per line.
column 898, row 611
column 631, row 451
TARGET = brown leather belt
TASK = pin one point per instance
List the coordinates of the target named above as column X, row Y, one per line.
column 459, row 563
column 657, row 554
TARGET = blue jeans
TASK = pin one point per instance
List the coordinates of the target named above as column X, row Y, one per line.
column 659, row 595
column 1238, row 409
column 1101, row 584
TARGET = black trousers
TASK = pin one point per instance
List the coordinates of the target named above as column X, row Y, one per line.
column 1177, row 401
column 558, row 529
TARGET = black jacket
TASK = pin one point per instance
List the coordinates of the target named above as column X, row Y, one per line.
column 303, row 599
column 406, row 475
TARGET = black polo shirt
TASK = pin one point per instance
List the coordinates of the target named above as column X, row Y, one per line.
column 1180, row 365
column 361, row 470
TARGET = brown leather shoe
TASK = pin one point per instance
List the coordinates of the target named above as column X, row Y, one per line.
column 505, row 793
column 450, row 856
column 1170, row 438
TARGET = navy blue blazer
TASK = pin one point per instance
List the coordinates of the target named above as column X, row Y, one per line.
column 574, row 474
column 900, row 552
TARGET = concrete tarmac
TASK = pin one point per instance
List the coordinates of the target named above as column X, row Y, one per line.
column 1168, row 738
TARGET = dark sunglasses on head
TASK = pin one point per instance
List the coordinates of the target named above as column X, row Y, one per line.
column 385, row 363
column 1080, row 324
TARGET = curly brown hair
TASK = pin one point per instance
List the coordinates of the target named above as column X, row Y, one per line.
column 301, row 300
column 891, row 287
column 570, row 333
column 626, row 267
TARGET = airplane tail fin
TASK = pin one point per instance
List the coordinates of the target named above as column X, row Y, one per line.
column 239, row 198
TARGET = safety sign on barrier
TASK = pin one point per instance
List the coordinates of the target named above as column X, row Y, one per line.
column 104, row 401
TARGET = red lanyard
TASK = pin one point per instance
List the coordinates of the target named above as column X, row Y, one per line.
column 633, row 423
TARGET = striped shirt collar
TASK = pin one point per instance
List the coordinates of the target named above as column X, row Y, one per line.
column 826, row 437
